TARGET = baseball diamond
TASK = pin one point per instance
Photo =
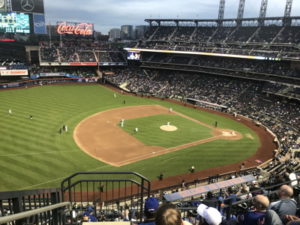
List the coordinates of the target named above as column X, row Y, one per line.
column 114, row 118
column 92, row 116
column 95, row 136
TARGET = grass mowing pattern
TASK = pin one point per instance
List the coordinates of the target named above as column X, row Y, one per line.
column 151, row 134
column 34, row 155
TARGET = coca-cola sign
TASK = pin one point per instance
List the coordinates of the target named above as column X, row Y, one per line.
column 84, row 29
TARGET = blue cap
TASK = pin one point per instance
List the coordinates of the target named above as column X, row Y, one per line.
column 151, row 204
column 90, row 208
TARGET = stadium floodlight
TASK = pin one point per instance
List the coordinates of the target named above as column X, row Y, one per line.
column 288, row 8
column 263, row 12
column 263, row 9
column 287, row 13
column 241, row 10
column 221, row 10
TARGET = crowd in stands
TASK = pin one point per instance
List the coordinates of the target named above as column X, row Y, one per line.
column 252, row 203
column 269, row 41
column 277, row 71
column 243, row 65
column 250, row 98
column 12, row 52
column 74, row 51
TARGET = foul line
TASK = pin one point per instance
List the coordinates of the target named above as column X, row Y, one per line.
column 52, row 152
column 60, row 178
column 168, row 150
column 152, row 154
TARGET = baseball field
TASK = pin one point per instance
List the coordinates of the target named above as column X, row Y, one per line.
column 50, row 132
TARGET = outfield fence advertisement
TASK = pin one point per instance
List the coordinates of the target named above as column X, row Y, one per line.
column 13, row 72
column 83, row 64
column 45, row 81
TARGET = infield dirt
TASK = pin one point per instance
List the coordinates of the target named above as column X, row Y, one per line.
column 101, row 137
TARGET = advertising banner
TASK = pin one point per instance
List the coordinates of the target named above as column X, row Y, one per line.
column 39, row 26
column 28, row 6
column 83, row 29
column 53, row 74
column 13, row 72
column 83, row 64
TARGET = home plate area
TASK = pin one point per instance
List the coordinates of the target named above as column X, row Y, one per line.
column 229, row 133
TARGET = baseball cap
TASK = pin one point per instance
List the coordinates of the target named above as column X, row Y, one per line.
column 212, row 216
column 151, row 204
column 201, row 208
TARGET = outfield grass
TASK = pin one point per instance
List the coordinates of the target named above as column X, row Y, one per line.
column 151, row 134
column 34, row 155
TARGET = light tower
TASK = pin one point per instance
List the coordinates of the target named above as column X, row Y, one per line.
column 263, row 12
column 288, row 8
column 287, row 12
column 241, row 12
column 221, row 12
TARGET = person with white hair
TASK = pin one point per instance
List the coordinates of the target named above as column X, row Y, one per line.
column 209, row 215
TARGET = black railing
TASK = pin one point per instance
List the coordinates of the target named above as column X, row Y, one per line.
column 107, row 191
column 15, row 202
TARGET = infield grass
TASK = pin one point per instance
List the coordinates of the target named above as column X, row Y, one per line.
column 150, row 133
column 33, row 154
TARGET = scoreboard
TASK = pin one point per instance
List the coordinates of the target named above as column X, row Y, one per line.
column 14, row 23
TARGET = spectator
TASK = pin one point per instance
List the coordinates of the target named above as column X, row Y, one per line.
column 151, row 206
column 257, row 216
column 209, row 215
column 286, row 205
column 168, row 214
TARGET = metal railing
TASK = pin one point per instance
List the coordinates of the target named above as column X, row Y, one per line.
column 107, row 190
column 28, row 215
column 15, row 202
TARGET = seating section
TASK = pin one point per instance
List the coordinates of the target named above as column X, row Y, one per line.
column 268, row 41
column 77, row 51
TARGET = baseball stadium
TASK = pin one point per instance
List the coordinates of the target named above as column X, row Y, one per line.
column 197, row 116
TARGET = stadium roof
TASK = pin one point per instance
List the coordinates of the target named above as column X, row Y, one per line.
column 224, row 20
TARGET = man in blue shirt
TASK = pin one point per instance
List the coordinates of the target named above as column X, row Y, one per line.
column 257, row 216
column 151, row 206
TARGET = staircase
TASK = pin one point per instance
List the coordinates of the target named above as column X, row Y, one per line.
column 151, row 37
column 211, row 37
column 172, row 35
column 193, row 34
column 253, row 35
column 228, row 36
column 279, row 33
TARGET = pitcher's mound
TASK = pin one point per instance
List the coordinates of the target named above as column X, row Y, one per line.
column 168, row 128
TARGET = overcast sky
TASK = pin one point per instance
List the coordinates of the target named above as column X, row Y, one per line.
column 107, row 14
